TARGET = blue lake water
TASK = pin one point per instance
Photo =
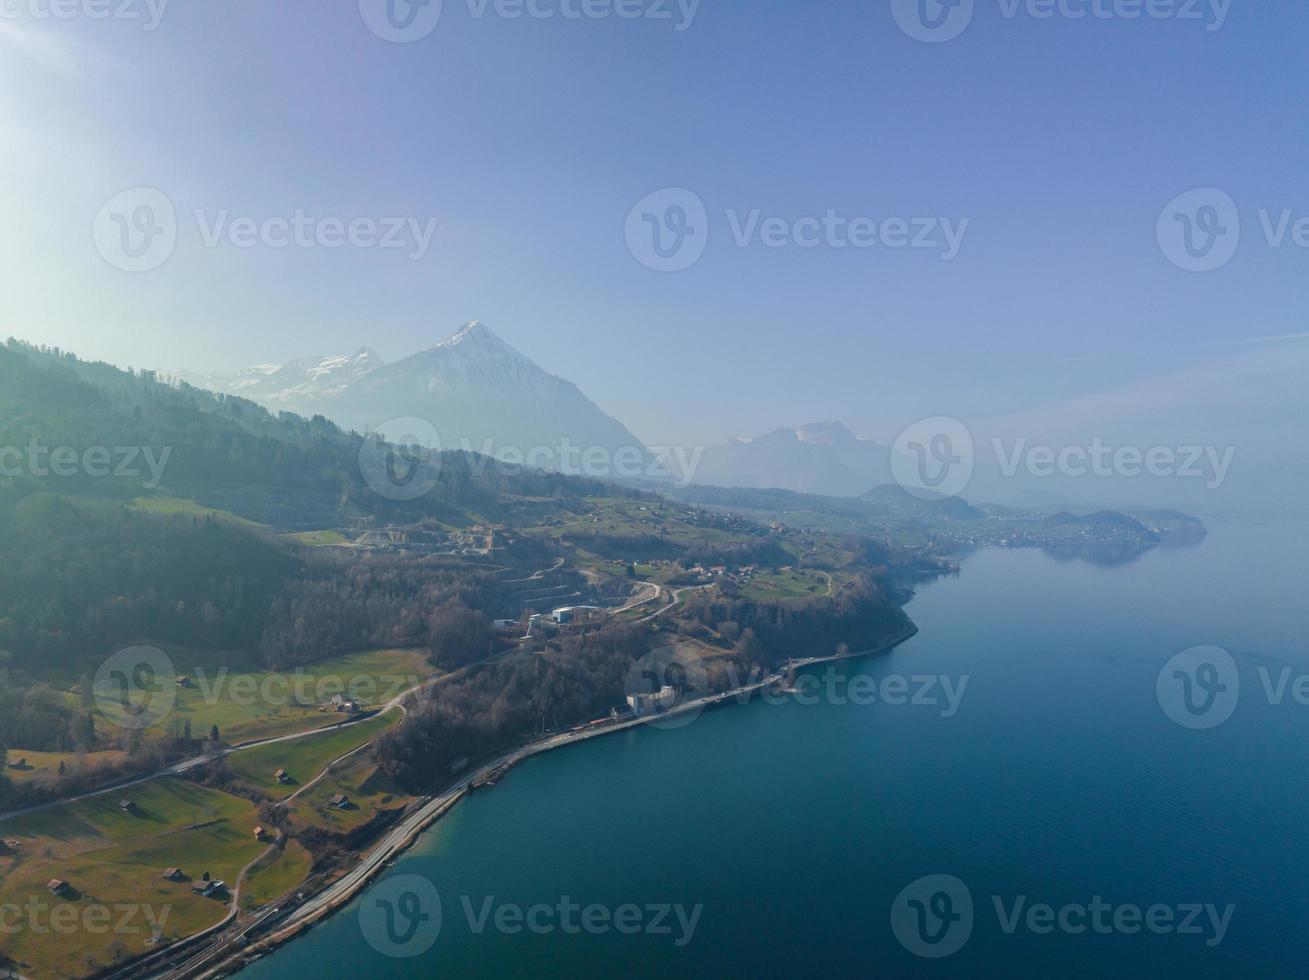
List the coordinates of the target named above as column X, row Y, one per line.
column 796, row 825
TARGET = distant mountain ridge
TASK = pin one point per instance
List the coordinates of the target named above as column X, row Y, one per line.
column 819, row 458
column 473, row 389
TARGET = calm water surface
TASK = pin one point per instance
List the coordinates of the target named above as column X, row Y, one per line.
column 795, row 826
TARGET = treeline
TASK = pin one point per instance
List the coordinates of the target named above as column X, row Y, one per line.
column 215, row 440
column 508, row 701
column 859, row 615
column 341, row 603
column 80, row 577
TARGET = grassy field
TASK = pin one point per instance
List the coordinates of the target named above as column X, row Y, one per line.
column 782, row 585
column 178, row 506
column 304, row 758
column 368, row 788
column 620, row 518
column 247, row 702
column 275, row 876
column 115, row 859
column 46, row 764
column 318, row 539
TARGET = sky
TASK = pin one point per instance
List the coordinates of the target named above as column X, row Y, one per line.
column 1054, row 149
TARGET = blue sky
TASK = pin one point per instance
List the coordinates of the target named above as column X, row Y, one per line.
column 529, row 140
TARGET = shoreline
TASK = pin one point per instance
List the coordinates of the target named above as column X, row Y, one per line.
column 407, row 833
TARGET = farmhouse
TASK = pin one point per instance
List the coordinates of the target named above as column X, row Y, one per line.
column 282, row 776
column 57, row 886
column 126, row 806
column 259, row 833
column 340, row 801
column 171, row 874
column 342, row 703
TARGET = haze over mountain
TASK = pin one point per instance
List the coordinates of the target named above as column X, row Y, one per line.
column 473, row 389
column 822, row 457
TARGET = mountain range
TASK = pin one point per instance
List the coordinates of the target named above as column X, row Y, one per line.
column 820, row 458
column 473, row 390
column 476, row 392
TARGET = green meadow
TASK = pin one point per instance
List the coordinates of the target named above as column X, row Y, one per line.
column 303, row 758
column 360, row 779
column 115, row 859
column 247, row 702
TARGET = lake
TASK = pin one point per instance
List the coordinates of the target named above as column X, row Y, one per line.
column 794, row 828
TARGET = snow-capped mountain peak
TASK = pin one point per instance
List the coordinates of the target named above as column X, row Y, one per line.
column 473, row 388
